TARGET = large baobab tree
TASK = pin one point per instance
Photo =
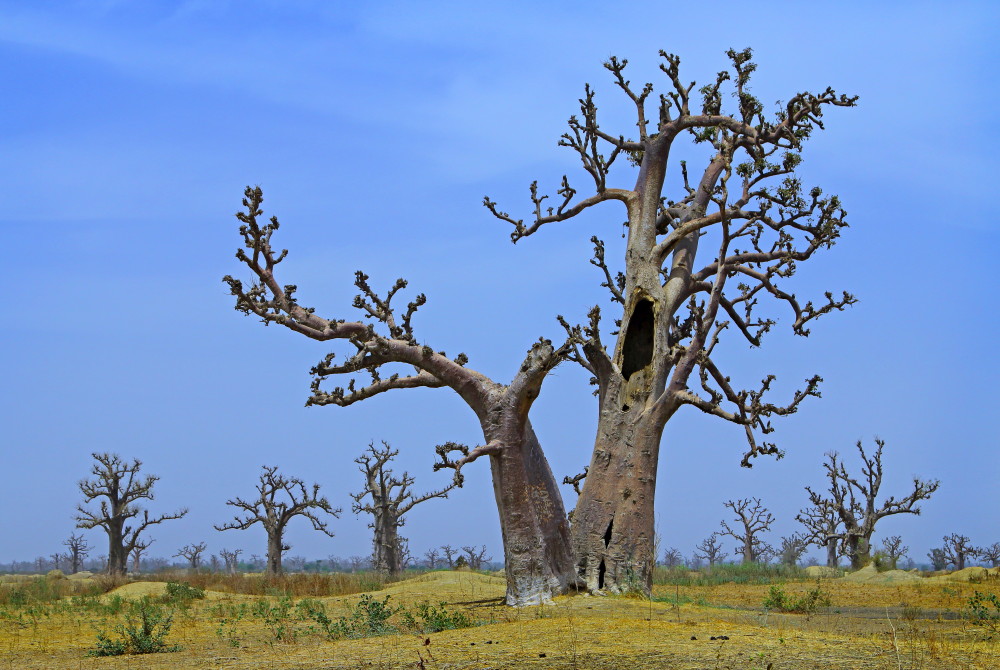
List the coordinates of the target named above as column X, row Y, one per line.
column 279, row 500
column 791, row 549
column 120, row 488
column 855, row 500
column 387, row 498
column 751, row 218
column 823, row 529
column 752, row 519
column 383, row 345
column 77, row 549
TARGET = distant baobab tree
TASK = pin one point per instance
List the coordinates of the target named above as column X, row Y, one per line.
column 476, row 557
column 893, row 550
column 855, row 500
column 791, row 549
column 991, row 553
column 137, row 553
column 118, row 486
column 822, row 524
column 231, row 559
column 752, row 519
column 710, row 549
column 77, row 549
column 958, row 549
column 432, row 557
column 387, row 498
column 279, row 500
column 192, row 554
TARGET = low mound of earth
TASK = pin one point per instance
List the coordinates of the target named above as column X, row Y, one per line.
column 869, row 574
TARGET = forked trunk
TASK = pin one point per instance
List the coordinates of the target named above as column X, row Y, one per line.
column 537, row 555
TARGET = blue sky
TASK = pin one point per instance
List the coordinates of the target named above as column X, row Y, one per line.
column 129, row 129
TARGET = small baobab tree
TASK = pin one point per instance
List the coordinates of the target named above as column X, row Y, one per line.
column 475, row 558
column 138, row 551
column 752, row 519
column 231, row 559
column 710, row 549
column 893, row 550
column 77, row 549
column 823, row 529
column 855, row 500
column 432, row 557
column 192, row 554
column 449, row 555
column 958, row 549
column 120, row 488
column 387, row 498
column 791, row 549
column 672, row 558
column 938, row 559
column 279, row 500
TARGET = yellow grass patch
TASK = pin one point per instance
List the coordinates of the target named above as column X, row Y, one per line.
column 870, row 625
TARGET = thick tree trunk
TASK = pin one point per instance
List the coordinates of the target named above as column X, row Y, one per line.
column 859, row 549
column 613, row 523
column 386, row 550
column 274, row 547
column 537, row 555
column 117, row 556
column 748, row 556
column 831, row 551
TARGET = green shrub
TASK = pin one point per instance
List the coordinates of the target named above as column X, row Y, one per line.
column 779, row 601
column 182, row 593
column 431, row 619
column 979, row 612
column 144, row 632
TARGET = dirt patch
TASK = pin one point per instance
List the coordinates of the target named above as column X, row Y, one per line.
column 870, row 575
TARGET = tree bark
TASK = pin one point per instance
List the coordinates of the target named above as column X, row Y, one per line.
column 538, row 559
column 831, row 551
column 613, row 523
column 117, row 556
column 274, row 547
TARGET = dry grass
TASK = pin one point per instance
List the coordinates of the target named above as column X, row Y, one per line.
column 879, row 626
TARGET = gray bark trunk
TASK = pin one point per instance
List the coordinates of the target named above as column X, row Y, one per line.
column 537, row 554
column 274, row 547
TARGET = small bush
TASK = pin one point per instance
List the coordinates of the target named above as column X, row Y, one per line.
column 431, row 619
column 182, row 593
column 983, row 609
column 144, row 632
column 777, row 600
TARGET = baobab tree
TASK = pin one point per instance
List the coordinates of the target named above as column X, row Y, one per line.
column 120, row 489
column 855, row 500
column 231, row 559
column 893, row 550
column 476, row 557
column 137, row 553
column 991, row 553
column 822, row 524
column 449, row 555
column 77, row 549
column 710, row 549
column 957, row 549
column 387, row 498
column 791, row 549
column 537, row 552
column 755, row 223
column 432, row 557
column 672, row 558
column 752, row 519
column 192, row 554
column 279, row 500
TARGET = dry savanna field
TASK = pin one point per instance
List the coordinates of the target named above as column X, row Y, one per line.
column 456, row 619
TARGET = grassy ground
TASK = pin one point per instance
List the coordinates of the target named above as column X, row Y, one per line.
column 917, row 623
